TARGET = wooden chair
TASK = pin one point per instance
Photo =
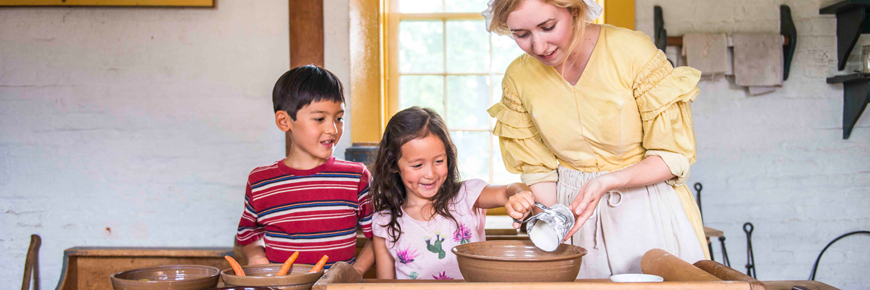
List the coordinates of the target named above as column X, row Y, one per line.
column 31, row 264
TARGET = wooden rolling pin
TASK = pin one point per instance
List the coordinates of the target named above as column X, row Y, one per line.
column 728, row 274
column 340, row 272
column 661, row 263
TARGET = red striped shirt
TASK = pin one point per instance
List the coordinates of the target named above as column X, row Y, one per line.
column 315, row 211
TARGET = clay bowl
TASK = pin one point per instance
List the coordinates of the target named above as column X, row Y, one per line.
column 517, row 261
column 173, row 277
column 245, row 288
column 264, row 275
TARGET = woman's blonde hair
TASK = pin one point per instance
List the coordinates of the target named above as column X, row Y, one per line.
column 502, row 8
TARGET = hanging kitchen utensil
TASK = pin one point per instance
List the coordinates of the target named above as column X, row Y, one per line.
column 750, row 257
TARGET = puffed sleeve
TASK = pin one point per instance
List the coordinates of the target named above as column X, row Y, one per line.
column 663, row 95
column 522, row 148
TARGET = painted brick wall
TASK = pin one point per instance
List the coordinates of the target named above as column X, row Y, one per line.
column 779, row 160
column 132, row 126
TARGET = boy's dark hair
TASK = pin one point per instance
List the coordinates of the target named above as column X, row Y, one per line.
column 300, row 86
column 388, row 190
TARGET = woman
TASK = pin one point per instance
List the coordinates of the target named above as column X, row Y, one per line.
column 596, row 113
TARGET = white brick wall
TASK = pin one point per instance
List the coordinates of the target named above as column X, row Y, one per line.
column 145, row 121
column 779, row 160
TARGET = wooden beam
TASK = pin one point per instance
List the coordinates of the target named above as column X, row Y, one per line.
column 366, row 91
column 619, row 13
column 306, row 37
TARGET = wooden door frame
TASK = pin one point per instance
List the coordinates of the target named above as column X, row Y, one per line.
column 306, row 38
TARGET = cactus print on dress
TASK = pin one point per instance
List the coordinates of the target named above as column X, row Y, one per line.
column 424, row 249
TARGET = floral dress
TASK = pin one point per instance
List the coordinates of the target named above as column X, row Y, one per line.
column 424, row 249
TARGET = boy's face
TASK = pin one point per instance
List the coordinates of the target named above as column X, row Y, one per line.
column 423, row 167
column 316, row 130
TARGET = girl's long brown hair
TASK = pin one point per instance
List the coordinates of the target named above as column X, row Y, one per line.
column 388, row 190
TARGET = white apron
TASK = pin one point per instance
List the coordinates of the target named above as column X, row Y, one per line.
column 627, row 223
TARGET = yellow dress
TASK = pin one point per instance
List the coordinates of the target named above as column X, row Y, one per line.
column 629, row 103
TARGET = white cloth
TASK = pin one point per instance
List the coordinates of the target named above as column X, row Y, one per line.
column 626, row 224
column 707, row 52
column 758, row 59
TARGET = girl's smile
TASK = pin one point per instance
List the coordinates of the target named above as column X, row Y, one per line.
column 423, row 167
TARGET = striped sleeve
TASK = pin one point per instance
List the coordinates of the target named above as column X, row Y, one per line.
column 249, row 230
column 366, row 209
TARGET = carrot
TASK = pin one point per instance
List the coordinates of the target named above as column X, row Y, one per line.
column 236, row 267
column 286, row 267
column 320, row 264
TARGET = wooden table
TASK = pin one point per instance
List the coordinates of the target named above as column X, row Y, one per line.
column 342, row 276
column 582, row 284
column 91, row 267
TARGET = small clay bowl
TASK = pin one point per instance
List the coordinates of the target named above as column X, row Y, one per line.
column 173, row 277
column 517, row 261
column 297, row 278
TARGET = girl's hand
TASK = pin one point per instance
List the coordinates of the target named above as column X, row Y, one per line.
column 520, row 205
column 586, row 201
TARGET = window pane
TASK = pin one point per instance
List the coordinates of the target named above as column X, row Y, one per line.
column 496, row 89
column 467, row 101
column 500, row 175
column 418, row 6
column 504, row 51
column 464, row 5
column 423, row 91
column 467, row 46
column 496, row 94
column 421, row 46
column 473, row 153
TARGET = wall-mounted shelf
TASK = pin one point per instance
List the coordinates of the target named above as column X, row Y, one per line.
column 851, row 23
column 786, row 29
column 856, row 96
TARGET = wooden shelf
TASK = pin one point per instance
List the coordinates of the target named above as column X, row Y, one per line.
column 851, row 23
column 856, row 96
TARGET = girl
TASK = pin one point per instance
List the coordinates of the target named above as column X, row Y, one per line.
column 422, row 210
column 595, row 117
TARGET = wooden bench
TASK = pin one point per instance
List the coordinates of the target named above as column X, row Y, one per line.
column 86, row 268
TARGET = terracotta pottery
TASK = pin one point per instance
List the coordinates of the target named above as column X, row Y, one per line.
column 245, row 288
column 517, row 261
column 297, row 278
column 172, row 277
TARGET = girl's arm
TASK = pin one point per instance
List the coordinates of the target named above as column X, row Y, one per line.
column 517, row 198
column 651, row 170
column 384, row 263
column 366, row 258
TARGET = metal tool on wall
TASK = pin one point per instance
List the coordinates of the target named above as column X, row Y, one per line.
column 750, row 257
column 698, row 187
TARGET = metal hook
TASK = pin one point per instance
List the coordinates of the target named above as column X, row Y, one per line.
column 750, row 257
column 698, row 188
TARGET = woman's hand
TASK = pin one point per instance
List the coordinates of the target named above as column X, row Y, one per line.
column 520, row 205
column 586, row 201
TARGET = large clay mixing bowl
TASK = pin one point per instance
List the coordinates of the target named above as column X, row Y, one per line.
column 297, row 278
column 171, row 277
column 517, row 261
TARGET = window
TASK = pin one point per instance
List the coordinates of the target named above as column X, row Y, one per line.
column 441, row 57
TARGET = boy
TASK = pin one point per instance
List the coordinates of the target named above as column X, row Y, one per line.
column 309, row 202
